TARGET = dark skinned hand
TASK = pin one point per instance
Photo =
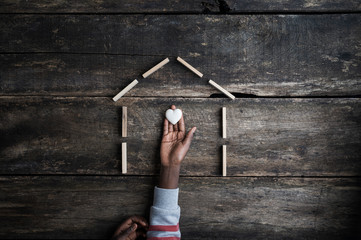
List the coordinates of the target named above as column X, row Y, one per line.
column 173, row 149
column 131, row 228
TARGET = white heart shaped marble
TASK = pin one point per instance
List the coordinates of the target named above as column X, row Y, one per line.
column 173, row 116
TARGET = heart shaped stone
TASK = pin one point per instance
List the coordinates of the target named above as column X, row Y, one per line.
column 173, row 116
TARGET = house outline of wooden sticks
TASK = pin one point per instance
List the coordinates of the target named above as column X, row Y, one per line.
column 148, row 73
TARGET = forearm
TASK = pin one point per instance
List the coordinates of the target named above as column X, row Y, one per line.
column 169, row 177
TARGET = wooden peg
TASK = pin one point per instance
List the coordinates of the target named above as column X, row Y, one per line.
column 224, row 122
column 214, row 84
column 190, row 67
column 124, row 158
column 224, row 160
column 125, row 90
column 156, row 67
column 124, row 121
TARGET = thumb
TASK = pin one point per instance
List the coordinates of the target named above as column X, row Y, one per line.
column 188, row 139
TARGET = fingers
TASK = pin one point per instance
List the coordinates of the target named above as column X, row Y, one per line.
column 188, row 139
column 171, row 126
column 129, row 233
column 132, row 229
column 140, row 220
column 128, row 228
column 165, row 126
column 168, row 127
column 134, row 232
column 122, row 227
column 181, row 124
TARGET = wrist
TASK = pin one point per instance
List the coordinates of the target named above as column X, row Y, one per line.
column 170, row 167
column 169, row 177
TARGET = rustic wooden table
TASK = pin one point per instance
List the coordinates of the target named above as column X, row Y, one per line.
column 294, row 131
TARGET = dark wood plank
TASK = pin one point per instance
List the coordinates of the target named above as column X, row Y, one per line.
column 167, row 6
column 214, row 36
column 212, row 208
column 273, row 137
column 265, row 55
column 106, row 75
column 270, row 208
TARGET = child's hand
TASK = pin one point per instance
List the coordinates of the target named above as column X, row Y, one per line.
column 175, row 142
column 173, row 149
column 131, row 228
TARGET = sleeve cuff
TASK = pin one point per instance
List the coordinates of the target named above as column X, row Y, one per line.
column 166, row 198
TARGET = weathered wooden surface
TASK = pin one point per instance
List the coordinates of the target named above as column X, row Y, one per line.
column 272, row 137
column 75, row 139
column 265, row 55
column 212, row 208
column 184, row 35
column 176, row 6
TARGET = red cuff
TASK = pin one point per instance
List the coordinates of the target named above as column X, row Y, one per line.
column 164, row 228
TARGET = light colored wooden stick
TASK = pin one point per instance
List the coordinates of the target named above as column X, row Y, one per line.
column 190, row 67
column 125, row 90
column 124, row 157
column 124, row 121
column 214, row 84
column 224, row 160
column 156, row 67
column 224, row 123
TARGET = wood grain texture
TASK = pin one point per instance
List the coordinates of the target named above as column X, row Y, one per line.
column 294, row 165
column 266, row 137
column 224, row 160
column 61, row 207
column 124, row 121
column 176, row 6
column 124, row 158
column 265, row 55
column 224, row 122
